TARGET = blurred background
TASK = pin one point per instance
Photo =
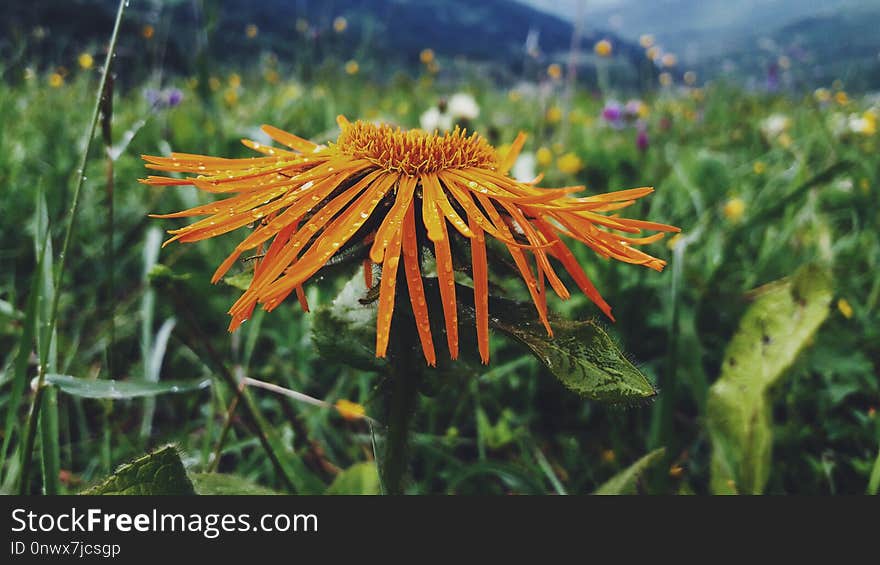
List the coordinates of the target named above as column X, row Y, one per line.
column 755, row 122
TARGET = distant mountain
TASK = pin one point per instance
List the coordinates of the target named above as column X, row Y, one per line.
column 839, row 37
column 392, row 31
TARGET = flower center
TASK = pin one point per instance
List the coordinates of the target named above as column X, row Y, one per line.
column 415, row 152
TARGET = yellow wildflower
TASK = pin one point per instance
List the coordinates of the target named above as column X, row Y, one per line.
column 85, row 61
column 603, row 48
column 230, row 97
column 735, row 209
column 569, row 163
column 350, row 410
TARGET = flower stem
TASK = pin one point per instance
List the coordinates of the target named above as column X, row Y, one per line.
column 401, row 395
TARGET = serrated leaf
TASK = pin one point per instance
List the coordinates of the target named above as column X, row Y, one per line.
column 586, row 360
column 118, row 390
column 772, row 333
column 626, row 482
column 158, row 473
column 580, row 354
column 360, row 478
column 222, row 483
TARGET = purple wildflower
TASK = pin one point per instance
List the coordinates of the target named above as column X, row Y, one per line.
column 612, row 113
column 173, row 96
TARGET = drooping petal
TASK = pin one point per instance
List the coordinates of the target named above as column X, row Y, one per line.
column 387, row 290
column 522, row 264
column 446, row 279
column 481, row 289
column 415, row 287
column 568, row 260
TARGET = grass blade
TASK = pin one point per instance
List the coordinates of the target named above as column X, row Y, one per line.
column 33, row 416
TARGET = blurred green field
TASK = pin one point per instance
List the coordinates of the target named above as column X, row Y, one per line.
column 762, row 185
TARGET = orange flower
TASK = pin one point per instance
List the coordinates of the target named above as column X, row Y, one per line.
column 370, row 187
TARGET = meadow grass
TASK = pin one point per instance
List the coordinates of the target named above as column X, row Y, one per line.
column 754, row 207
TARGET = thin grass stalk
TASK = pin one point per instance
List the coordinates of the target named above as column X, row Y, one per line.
column 37, row 401
column 109, row 255
column 227, row 425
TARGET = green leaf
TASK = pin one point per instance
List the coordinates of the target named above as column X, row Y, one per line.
column 580, row 354
column 241, row 281
column 22, row 358
column 360, row 478
column 221, row 483
column 626, row 482
column 117, row 390
column 585, row 359
column 874, row 481
column 158, row 473
column 772, row 333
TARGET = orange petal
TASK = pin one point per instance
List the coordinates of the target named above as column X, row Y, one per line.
column 294, row 142
column 543, row 263
column 446, row 278
column 512, row 153
column 443, row 202
column 416, row 289
column 481, row 290
column 394, row 219
column 368, row 273
column 521, row 262
column 387, row 290
column 569, row 261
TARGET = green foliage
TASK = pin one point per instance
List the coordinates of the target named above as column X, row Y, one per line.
column 772, row 333
column 118, row 390
column 222, row 483
column 586, row 360
column 874, row 481
column 160, row 472
column 361, row 478
column 505, row 428
column 627, row 481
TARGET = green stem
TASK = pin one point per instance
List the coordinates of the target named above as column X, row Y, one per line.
column 401, row 394
column 37, row 402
